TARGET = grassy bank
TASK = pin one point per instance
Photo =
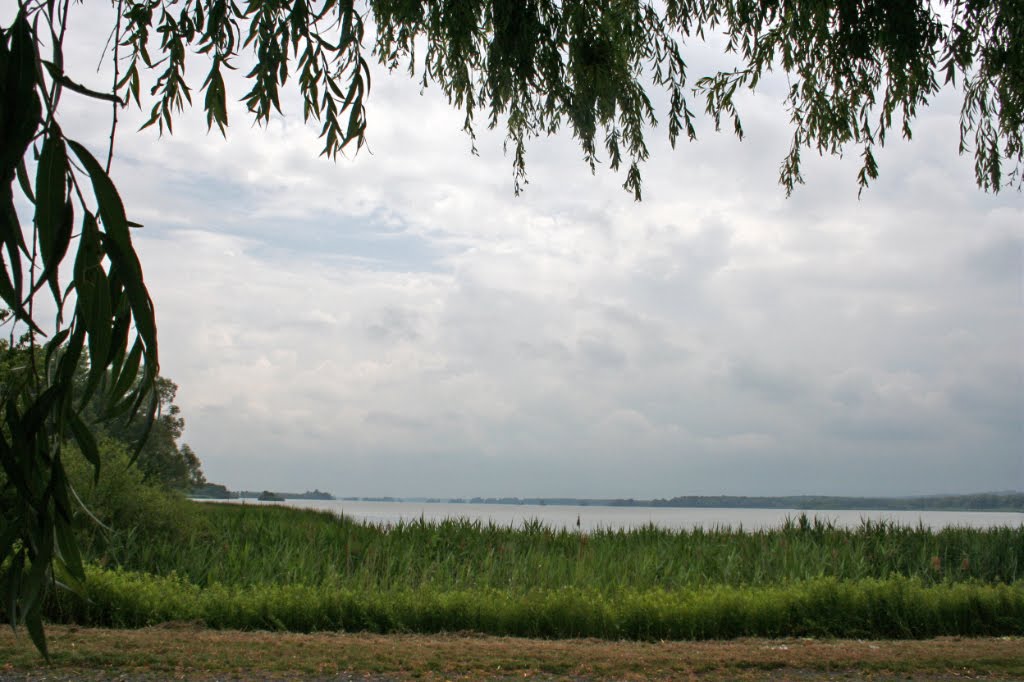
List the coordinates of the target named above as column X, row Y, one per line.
column 253, row 567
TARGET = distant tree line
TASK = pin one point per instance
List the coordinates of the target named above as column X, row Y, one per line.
column 213, row 491
column 1005, row 501
column 216, row 491
column 308, row 495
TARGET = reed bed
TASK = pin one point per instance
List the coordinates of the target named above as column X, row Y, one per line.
column 255, row 567
column 254, row 545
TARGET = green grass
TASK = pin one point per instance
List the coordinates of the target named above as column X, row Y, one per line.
column 255, row 545
column 897, row 608
column 255, row 567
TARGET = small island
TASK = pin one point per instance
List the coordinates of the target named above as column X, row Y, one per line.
column 267, row 496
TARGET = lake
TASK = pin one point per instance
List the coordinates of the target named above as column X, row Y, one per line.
column 595, row 517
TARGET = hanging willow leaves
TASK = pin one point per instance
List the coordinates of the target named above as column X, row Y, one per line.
column 106, row 299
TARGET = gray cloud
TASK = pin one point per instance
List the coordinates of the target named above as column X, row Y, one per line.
column 1000, row 258
column 774, row 385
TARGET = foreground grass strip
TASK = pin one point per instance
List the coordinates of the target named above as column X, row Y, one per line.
column 186, row 650
column 826, row 607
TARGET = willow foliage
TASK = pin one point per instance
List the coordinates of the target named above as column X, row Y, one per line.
column 856, row 69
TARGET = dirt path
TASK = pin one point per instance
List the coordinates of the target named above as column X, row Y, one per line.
column 187, row 652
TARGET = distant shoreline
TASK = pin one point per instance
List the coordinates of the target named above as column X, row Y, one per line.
column 992, row 502
column 1004, row 502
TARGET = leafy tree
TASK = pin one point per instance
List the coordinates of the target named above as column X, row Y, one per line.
column 161, row 459
column 856, row 68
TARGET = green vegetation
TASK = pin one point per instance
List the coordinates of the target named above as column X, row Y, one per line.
column 897, row 607
column 154, row 444
column 858, row 73
column 212, row 491
column 124, row 508
column 161, row 458
column 256, row 545
column 238, row 566
column 153, row 556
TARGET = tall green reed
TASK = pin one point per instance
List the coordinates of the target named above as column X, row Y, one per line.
column 246, row 545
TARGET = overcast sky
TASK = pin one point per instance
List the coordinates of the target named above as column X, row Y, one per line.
column 400, row 324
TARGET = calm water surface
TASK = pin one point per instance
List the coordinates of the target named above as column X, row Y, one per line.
column 594, row 517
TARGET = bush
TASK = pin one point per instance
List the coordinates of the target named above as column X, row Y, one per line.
column 124, row 513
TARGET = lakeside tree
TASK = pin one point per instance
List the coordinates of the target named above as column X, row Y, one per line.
column 162, row 459
column 859, row 70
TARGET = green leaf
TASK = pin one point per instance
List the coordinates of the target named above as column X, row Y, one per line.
column 9, row 459
column 111, row 210
column 40, row 408
column 23, row 181
column 69, row 556
column 14, row 573
column 42, row 541
column 68, row 362
column 11, row 531
column 53, row 345
column 11, row 238
column 54, row 212
column 19, row 438
column 127, row 375
column 86, row 443
column 118, row 344
column 120, row 250
column 10, row 297
column 94, row 309
column 100, row 331
column 93, row 295
column 34, row 625
column 60, row 249
column 22, row 108
column 146, row 386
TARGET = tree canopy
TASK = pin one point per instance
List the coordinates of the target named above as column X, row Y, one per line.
column 856, row 69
